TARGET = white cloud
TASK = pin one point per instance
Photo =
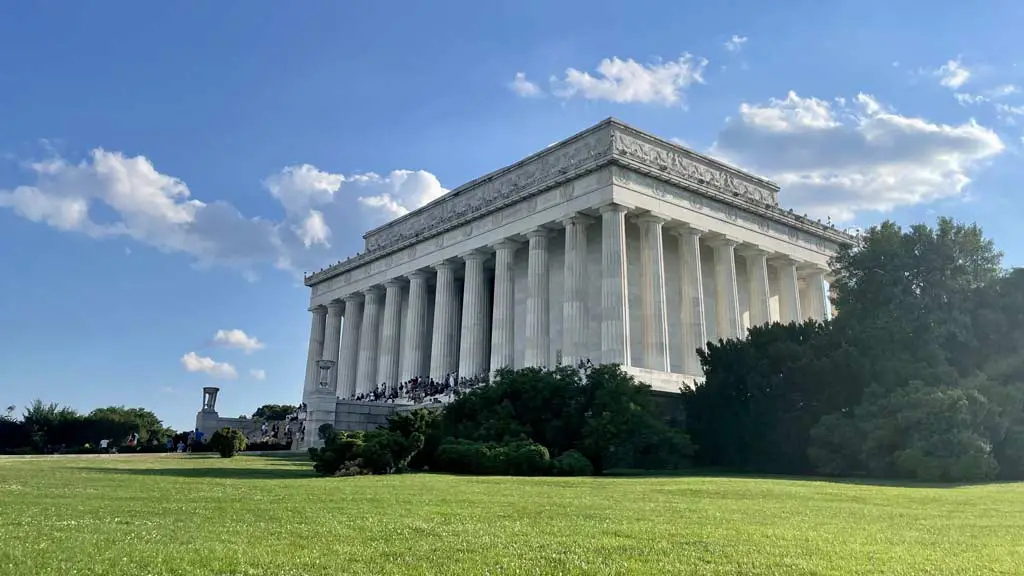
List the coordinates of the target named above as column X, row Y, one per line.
column 1008, row 113
column 735, row 44
column 965, row 99
column 996, row 93
column 159, row 210
column 236, row 338
column 953, row 74
column 523, row 87
column 258, row 374
column 837, row 158
column 628, row 81
column 195, row 363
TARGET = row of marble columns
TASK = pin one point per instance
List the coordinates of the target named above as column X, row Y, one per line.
column 466, row 340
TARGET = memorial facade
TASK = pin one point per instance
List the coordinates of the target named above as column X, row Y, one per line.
column 612, row 246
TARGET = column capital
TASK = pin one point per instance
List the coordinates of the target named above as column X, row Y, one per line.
column 578, row 219
column 335, row 307
column 319, row 310
column 721, row 240
column 394, row 283
column 810, row 269
column 505, row 244
column 353, row 298
column 538, row 232
column 374, row 290
column 475, row 254
column 685, row 229
column 650, row 218
column 613, row 207
column 781, row 259
column 751, row 250
column 418, row 275
column 445, row 264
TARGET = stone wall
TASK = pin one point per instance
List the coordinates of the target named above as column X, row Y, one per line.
column 353, row 416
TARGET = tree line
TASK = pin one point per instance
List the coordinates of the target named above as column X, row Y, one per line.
column 49, row 427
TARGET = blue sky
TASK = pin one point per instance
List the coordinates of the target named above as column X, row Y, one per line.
column 168, row 171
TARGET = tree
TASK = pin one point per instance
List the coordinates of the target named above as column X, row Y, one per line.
column 908, row 302
column 274, row 412
column 118, row 422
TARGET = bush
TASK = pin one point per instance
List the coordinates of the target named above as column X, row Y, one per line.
column 227, row 442
column 518, row 458
column 422, row 421
column 572, row 463
column 340, row 449
column 378, row 452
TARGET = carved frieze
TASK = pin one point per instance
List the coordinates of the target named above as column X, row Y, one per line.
column 690, row 167
column 716, row 209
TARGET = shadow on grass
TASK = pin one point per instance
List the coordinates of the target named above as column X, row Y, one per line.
column 734, row 475
column 280, row 471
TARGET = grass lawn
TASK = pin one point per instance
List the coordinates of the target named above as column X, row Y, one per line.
column 201, row 515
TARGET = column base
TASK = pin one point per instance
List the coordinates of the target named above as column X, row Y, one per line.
column 663, row 381
column 320, row 409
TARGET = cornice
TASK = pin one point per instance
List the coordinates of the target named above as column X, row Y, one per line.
column 606, row 143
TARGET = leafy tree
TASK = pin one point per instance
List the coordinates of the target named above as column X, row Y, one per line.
column 274, row 412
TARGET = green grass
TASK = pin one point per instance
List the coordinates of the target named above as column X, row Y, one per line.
column 138, row 516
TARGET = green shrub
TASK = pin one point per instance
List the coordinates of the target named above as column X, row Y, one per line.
column 387, row 452
column 378, row 452
column 572, row 463
column 518, row 458
column 325, row 431
column 428, row 424
column 339, row 449
column 227, row 442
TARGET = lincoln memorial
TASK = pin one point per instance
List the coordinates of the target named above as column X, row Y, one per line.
column 612, row 246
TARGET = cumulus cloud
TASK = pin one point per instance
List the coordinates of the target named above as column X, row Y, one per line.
column 837, row 158
column 735, row 44
column 523, row 87
column 628, row 81
column 236, row 338
column 193, row 362
column 953, row 74
column 258, row 374
column 159, row 209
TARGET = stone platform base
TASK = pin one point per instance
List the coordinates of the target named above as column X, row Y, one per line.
column 353, row 416
column 662, row 381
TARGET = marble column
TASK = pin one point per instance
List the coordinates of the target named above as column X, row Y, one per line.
column 369, row 340
column 757, row 279
column 574, row 303
column 817, row 308
column 474, row 317
column 691, row 298
column 727, row 299
column 654, row 311
column 538, row 339
column 414, row 337
column 387, row 368
column 316, row 348
column 348, row 359
column 614, row 292
column 444, row 313
column 504, row 317
column 332, row 342
column 789, row 290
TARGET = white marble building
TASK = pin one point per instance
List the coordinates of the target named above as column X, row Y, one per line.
column 612, row 245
